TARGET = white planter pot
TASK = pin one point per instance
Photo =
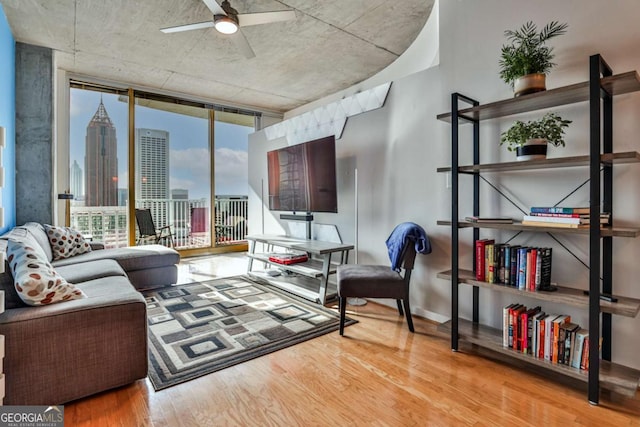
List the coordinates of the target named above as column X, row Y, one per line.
column 532, row 149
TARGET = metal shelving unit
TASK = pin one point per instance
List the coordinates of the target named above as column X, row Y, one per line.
column 599, row 92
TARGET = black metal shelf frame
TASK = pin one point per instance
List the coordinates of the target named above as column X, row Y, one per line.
column 601, row 142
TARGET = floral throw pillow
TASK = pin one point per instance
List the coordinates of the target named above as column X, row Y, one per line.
column 66, row 242
column 36, row 282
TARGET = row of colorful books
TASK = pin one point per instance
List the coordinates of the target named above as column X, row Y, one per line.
column 566, row 217
column 545, row 336
column 522, row 267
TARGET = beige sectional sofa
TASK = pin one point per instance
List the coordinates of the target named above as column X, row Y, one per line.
column 64, row 351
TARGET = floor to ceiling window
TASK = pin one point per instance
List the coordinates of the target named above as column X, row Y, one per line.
column 173, row 169
column 98, row 144
column 189, row 168
column 231, row 176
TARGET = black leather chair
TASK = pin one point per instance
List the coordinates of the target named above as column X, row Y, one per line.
column 377, row 281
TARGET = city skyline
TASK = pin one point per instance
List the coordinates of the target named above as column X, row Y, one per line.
column 188, row 149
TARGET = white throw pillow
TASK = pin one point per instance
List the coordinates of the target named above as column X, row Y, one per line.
column 36, row 282
column 66, row 242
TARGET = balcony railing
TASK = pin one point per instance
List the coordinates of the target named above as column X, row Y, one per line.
column 189, row 220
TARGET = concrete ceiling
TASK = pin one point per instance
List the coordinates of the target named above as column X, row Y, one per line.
column 332, row 45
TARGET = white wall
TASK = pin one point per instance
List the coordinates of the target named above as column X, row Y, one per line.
column 398, row 148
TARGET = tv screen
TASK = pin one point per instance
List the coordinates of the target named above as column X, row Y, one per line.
column 302, row 177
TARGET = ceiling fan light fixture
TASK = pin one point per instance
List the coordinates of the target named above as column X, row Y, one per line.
column 225, row 24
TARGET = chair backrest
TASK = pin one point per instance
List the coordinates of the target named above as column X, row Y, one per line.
column 408, row 260
column 146, row 227
column 408, row 255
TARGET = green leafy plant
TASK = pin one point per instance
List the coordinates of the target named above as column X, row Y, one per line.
column 527, row 52
column 550, row 127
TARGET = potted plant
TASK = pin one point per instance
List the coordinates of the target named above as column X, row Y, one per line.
column 529, row 139
column 526, row 60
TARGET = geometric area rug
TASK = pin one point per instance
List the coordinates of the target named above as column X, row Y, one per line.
column 198, row 328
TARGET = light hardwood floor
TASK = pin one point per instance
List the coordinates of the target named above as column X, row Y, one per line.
column 378, row 374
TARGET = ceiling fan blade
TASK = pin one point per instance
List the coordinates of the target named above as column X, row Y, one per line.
column 188, row 27
column 214, row 7
column 247, row 19
column 242, row 44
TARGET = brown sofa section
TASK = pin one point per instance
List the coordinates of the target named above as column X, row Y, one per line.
column 77, row 348
column 65, row 351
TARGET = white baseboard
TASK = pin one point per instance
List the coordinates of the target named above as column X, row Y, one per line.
column 429, row 315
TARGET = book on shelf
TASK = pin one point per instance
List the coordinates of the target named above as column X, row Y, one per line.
column 567, row 330
column 555, row 343
column 513, row 266
column 288, row 258
column 552, row 224
column 505, row 264
column 580, row 220
column 489, row 267
column 515, row 326
column 538, row 267
column 560, row 209
column 507, row 332
column 545, row 270
column 481, row 258
column 542, row 333
column 535, row 335
column 584, row 360
column 489, row 219
column 527, row 329
column 496, row 262
column 550, row 219
column 522, row 268
column 500, row 266
column 604, row 217
column 576, row 357
column 548, row 336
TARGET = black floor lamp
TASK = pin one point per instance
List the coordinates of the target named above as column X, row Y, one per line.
column 67, row 197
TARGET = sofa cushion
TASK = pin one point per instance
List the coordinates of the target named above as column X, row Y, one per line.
column 130, row 258
column 85, row 271
column 66, row 242
column 36, row 230
column 36, row 282
column 20, row 234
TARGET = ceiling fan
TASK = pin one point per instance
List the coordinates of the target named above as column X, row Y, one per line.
column 227, row 21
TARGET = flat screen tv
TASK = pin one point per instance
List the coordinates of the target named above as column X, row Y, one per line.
column 302, row 177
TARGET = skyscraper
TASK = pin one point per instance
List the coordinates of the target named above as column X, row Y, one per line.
column 152, row 172
column 76, row 181
column 101, row 161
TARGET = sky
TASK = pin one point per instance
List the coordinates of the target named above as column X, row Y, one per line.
column 189, row 161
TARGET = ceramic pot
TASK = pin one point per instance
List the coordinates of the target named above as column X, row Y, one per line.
column 530, row 83
column 532, row 149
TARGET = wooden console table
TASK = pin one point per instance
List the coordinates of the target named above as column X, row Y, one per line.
column 309, row 279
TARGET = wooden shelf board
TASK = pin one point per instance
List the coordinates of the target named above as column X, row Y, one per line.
column 517, row 226
column 612, row 376
column 309, row 268
column 559, row 162
column 628, row 307
column 579, row 92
